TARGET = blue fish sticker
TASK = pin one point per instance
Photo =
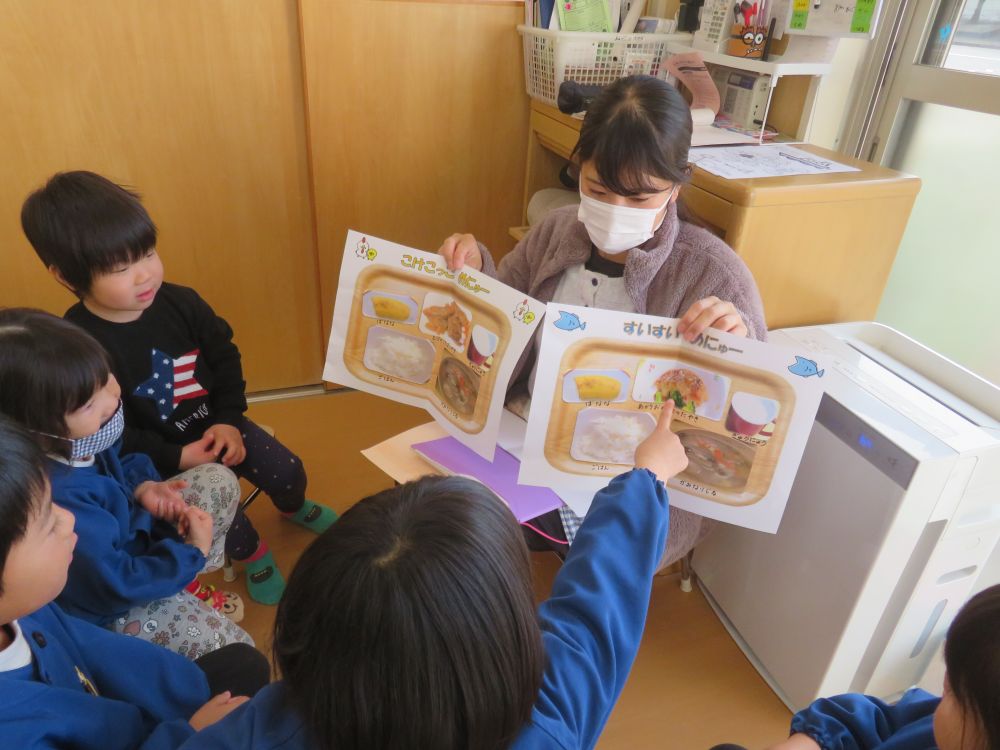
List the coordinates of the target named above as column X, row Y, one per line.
column 805, row 368
column 568, row 322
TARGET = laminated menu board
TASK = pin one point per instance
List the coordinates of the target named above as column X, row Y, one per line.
column 743, row 410
column 408, row 329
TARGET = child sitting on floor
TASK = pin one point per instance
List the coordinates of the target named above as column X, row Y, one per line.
column 142, row 541
column 411, row 622
column 966, row 717
column 67, row 684
column 178, row 366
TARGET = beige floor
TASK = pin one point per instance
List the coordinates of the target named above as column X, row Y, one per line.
column 691, row 687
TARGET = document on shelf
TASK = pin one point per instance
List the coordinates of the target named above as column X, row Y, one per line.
column 769, row 160
column 586, row 15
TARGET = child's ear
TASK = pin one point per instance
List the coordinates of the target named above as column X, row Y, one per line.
column 59, row 277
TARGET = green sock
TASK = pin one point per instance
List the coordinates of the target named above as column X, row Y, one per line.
column 264, row 581
column 314, row 516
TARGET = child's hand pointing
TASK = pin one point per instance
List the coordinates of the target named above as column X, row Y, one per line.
column 662, row 452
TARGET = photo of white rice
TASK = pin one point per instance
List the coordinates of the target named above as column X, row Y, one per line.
column 399, row 355
column 610, row 435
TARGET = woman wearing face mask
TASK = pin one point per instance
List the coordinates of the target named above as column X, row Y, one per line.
column 142, row 541
column 627, row 247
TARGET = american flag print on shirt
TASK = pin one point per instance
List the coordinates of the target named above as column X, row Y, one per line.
column 172, row 381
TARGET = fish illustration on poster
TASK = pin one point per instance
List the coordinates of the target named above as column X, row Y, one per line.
column 743, row 411
column 407, row 328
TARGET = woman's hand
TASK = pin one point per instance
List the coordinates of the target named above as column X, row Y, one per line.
column 711, row 312
column 461, row 250
column 662, row 452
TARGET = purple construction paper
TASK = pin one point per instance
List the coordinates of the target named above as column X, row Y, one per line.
column 500, row 476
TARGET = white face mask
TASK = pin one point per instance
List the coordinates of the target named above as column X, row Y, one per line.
column 615, row 229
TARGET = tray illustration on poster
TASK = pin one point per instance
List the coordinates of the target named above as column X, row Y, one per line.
column 742, row 415
column 408, row 329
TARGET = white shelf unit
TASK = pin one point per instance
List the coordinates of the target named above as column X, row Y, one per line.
column 679, row 43
column 600, row 58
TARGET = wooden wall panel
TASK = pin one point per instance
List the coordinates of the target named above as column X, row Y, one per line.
column 198, row 105
column 418, row 122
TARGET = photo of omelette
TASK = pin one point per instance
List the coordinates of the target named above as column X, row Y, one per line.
column 597, row 387
column 390, row 308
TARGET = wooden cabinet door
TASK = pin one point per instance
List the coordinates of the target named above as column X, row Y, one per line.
column 199, row 107
column 417, row 120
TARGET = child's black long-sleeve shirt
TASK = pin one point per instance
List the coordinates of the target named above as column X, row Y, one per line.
column 179, row 370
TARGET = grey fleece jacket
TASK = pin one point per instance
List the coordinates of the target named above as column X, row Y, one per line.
column 678, row 266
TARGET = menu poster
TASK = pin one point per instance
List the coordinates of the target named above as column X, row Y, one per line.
column 743, row 410
column 408, row 329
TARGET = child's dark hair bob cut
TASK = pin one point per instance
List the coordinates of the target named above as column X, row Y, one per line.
column 411, row 622
column 22, row 485
column 636, row 128
column 84, row 225
column 972, row 658
column 48, row 368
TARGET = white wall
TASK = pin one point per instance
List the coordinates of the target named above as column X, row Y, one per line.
column 835, row 96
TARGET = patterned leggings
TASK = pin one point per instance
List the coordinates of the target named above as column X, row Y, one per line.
column 183, row 623
column 279, row 474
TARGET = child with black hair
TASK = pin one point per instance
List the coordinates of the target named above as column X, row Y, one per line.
column 626, row 247
column 175, row 358
column 142, row 541
column 411, row 622
column 67, row 684
column 966, row 717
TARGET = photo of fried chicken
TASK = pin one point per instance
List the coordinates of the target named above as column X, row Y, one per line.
column 448, row 320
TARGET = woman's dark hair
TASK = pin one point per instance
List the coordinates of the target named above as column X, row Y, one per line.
column 411, row 623
column 22, row 485
column 635, row 128
column 48, row 368
column 85, row 225
column 972, row 658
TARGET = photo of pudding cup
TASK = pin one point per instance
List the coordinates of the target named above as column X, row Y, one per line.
column 749, row 414
column 482, row 345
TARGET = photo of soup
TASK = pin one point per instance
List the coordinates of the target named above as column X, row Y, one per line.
column 458, row 386
column 716, row 460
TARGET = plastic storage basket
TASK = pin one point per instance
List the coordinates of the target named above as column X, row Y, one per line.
column 551, row 57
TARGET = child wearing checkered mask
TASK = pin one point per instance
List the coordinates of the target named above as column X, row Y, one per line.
column 180, row 370
column 142, row 541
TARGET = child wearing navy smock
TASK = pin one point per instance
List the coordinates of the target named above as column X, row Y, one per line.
column 68, row 684
column 411, row 622
column 966, row 717
column 143, row 541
